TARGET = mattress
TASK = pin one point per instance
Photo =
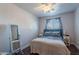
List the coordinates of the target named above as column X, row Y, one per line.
column 49, row 46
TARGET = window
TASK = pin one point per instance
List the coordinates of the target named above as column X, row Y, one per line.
column 52, row 24
column 53, row 28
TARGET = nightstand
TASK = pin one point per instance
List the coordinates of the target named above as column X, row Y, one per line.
column 40, row 35
column 67, row 40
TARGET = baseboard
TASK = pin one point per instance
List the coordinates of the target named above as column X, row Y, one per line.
column 25, row 46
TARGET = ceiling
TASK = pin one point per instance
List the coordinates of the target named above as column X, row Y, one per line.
column 59, row 9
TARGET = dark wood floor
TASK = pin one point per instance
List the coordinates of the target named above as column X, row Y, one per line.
column 73, row 49
column 27, row 50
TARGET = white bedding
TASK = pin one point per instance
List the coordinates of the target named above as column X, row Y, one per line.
column 49, row 46
column 50, row 40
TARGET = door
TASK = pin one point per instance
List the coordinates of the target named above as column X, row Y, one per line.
column 14, row 30
column 15, row 42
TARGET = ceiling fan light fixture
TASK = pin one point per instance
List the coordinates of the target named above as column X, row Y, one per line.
column 47, row 7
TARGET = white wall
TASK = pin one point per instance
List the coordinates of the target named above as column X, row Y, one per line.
column 28, row 23
column 67, row 21
column 77, row 27
column 4, row 38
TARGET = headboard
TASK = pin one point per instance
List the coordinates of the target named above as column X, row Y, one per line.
column 54, row 32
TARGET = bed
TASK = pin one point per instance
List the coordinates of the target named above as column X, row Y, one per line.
column 49, row 46
column 51, row 43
